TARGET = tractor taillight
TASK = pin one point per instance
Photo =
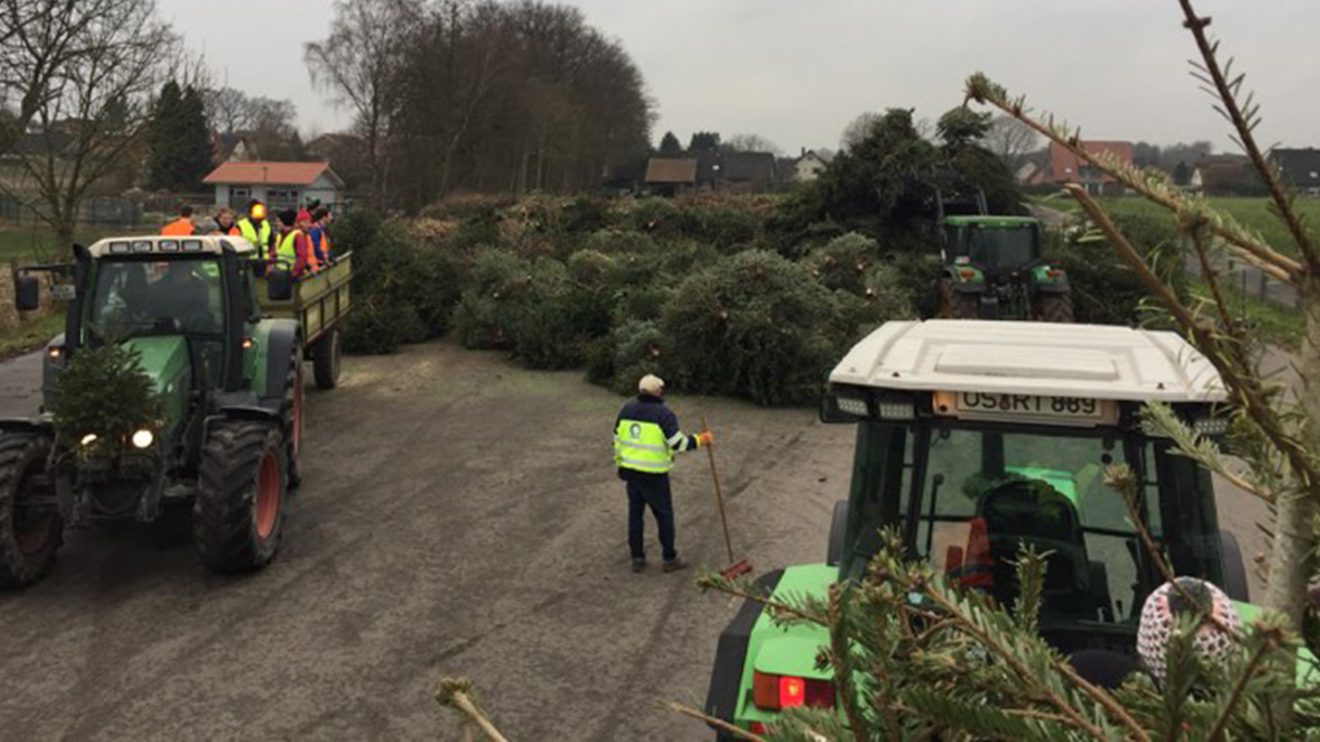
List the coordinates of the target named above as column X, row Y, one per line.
column 777, row 692
column 967, row 275
column 1054, row 273
column 757, row 728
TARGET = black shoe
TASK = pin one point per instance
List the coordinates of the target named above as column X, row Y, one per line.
column 639, row 565
column 674, row 565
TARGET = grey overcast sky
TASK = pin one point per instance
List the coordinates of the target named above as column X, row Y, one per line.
column 797, row 71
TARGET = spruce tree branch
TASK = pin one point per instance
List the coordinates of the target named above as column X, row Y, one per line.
column 723, row 725
column 1211, row 276
column 1250, row 248
column 1225, row 90
column 1221, row 723
column 1244, row 387
column 842, row 661
column 1028, row 676
column 713, row 582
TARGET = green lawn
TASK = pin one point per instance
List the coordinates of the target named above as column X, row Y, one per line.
column 30, row 335
column 32, row 244
column 1252, row 213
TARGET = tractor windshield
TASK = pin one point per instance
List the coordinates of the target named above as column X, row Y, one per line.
column 967, row 497
column 999, row 247
column 132, row 298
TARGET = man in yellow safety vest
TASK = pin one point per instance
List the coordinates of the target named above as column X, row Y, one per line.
column 646, row 439
column 255, row 228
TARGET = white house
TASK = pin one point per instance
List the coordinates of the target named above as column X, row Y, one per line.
column 280, row 185
column 810, row 164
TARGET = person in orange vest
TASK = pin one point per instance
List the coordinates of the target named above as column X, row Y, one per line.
column 181, row 227
column 305, row 225
column 319, row 236
column 974, row 568
column 224, row 223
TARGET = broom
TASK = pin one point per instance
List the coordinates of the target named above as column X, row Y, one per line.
column 735, row 568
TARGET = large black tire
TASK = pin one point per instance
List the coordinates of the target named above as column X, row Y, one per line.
column 30, row 535
column 1235, row 568
column 325, row 359
column 1054, row 308
column 238, row 516
column 291, row 411
column 838, row 531
column 957, row 304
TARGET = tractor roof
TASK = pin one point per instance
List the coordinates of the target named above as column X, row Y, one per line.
column 1039, row 358
column 153, row 244
column 990, row 221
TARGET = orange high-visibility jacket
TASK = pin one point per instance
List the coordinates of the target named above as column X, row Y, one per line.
column 181, row 227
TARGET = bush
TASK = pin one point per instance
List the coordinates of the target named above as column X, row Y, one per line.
column 842, row 264
column 754, row 326
column 1104, row 290
column 104, row 392
column 635, row 350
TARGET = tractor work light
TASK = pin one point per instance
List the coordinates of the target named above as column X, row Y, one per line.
column 853, row 406
column 119, row 248
column 141, row 246
column 901, row 409
column 1210, row 426
column 168, row 245
column 192, row 245
column 143, row 438
column 88, row 440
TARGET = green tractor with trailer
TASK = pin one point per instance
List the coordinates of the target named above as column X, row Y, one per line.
column 227, row 447
column 993, row 267
column 1005, row 428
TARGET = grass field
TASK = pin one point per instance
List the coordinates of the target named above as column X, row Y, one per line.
column 29, row 243
column 1252, row 213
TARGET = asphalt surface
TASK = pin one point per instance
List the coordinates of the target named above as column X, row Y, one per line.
column 458, row 516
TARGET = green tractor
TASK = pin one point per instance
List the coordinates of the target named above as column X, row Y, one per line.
column 976, row 437
column 993, row 269
column 227, row 448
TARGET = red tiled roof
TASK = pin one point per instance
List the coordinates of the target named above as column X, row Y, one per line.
column 275, row 173
column 666, row 170
column 1065, row 167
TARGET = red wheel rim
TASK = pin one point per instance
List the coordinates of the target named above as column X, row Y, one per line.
column 268, row 496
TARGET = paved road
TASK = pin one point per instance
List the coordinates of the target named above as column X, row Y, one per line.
column 455, row 518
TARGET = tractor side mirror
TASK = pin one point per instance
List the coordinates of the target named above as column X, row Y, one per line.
column 279, row 284
column 27, row 293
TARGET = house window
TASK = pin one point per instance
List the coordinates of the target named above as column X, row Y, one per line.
column 239, row 195
column 282, row 198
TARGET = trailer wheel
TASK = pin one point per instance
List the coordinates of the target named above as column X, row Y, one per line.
column 325, row 360
column 1054, row 308
column 291, row 411
column 31, row 529
column 238, row 516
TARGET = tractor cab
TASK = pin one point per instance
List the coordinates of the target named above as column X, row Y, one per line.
column 976, row 438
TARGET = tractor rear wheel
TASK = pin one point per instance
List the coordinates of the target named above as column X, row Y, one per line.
column 325, row 359
column 1054, row 308
column 291, row 411
column 31, row 529
column 238, row 516
column 957, row 304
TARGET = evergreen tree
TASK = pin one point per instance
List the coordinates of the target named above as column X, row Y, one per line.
column 704, row 141
column 669, row 145
column 179, row 140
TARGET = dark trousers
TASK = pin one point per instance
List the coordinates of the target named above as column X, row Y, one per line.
column 650, row 490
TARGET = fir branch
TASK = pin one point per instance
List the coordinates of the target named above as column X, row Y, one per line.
column 723, row 725
column 1198, row 448
column 1226, row 713
column 1242, row 119
column 841, row 659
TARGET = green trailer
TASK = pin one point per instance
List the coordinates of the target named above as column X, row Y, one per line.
column 319, row 303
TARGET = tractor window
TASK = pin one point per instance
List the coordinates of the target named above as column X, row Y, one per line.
column 133, row 298
column 1000, row 247
column 882, row 475
column 987, row 492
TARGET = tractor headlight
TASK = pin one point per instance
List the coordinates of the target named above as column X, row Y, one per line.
column 1211, row 426
column 143, row 438
column 88, row 440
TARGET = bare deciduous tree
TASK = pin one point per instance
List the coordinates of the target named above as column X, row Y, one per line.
column 751, row 143
column 1011, row 140
column 360, row 64
column 91, row 104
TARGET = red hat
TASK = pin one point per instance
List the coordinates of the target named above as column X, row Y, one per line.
column 303, row 216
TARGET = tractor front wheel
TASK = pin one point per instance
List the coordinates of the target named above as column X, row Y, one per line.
column 325, row 359
column 238, row 516
column 1054, row 308
column 31, row 529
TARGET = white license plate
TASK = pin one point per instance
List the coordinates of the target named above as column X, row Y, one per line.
column 1028, row 405
column 64, row 292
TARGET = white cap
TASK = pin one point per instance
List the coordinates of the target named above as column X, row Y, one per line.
column 652, row 385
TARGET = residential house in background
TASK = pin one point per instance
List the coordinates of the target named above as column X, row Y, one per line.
column 671, row 176
column 233, row 147
column 810, row 163
column 1225, row 175
column 281, row 185
column 1298, row 168
column 1065, row 167
column 744, row 171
